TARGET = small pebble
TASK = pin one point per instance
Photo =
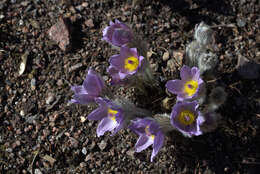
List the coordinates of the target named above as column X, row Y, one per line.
column 84, row 150
column 50, row 99
column 241, row 22
column 102, row 145
column 33, row 84
column 37, row 171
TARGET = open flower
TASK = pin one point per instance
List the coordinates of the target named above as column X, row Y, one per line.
column 118, row 33
column 186, row 118
column 189, row 85
column 127, row 63
column 110, row 114
column 149, row 133
column 92, row 87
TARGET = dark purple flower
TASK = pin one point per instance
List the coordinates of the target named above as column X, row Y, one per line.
column 110, row 114
column 149, row 133
column 127, row 63
column 92, row 87
column 118, row 33
column 186, row 118
column 189, row 85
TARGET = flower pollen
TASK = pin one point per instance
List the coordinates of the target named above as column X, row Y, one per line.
column 112, row 114
column 190, row 87
column 186, row 117
column 148, row 133
column 131, row 63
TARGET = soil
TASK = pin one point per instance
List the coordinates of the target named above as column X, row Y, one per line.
column 42, row 133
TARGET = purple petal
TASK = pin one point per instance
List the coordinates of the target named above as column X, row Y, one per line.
column 106, row 124
column 98, row 113
column 158, row 143
column 175, row 86
column 117, row 61
column 84, row 98
column 186, row 73
column 93, row 83
column 119, row 127
column 114, row 74
column 142, row 143
column 79, row 89
column 195, row 73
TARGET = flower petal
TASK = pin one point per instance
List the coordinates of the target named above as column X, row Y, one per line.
column 93, row 83
column 79, row 89
column 142, row 143
column 83, row 99
column 158, row 143
column 186, row 73
column 105, row 125
column 98, row 113
column 175, row 86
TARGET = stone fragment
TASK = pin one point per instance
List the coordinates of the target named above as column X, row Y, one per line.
column 61, row 34
column 90, row 23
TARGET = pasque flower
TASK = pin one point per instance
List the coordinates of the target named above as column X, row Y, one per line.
column 92, row 87
column 189, row 85
column 118, row 33
column 127, row 63
column 111, row 116
column 186, row 118
column 149, row 133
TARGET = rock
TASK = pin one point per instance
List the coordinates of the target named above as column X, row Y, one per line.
column 102, row 145
column 61, row 34
column 166, row 56
column 37, row 171
column 90, row 23
column 50, row 98
column 33, row 84
column 84, row 150
column 241, row 22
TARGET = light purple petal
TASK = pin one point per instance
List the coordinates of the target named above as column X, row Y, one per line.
column 117, row 61
column 98, row 113
column 158, row 143
column 106, row 124
column 186, row 73
column 175, row 86
column 93, row 83
column 142, row 143
column 195, row 73
column 120, row 125
column 79, row 89
column 84, row 98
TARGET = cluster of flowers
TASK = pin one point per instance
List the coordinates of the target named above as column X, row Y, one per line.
column 130, row 67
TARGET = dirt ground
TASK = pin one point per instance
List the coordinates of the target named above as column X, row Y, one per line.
column 41, row 133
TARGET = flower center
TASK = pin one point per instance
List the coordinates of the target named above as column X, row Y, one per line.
column 112, row 114
column 131, row 63
column 148, row 133
column 186, row 117
column 190, row 87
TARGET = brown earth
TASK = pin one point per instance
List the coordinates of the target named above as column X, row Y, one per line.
column 42, row 133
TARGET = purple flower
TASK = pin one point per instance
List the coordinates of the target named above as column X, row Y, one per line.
column 149, row 133
column 110, row 114
column 189, row 85
column 127, row 63
column 118, row 33
column 92, row 87
column 186, row 118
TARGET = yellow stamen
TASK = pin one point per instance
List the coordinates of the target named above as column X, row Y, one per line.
column 186, row 117
column 131, row 63
column 146, row 129
column 190, row 87
column 112, row 114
